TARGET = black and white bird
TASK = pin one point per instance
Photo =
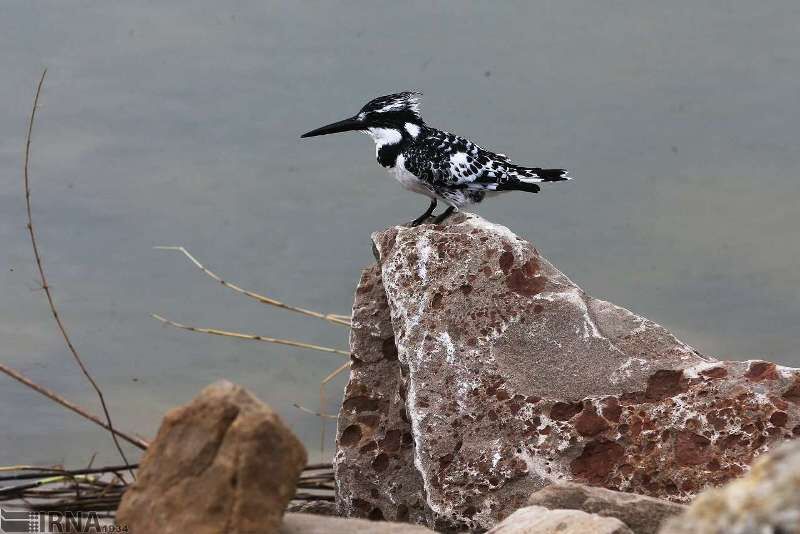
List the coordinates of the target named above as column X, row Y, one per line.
column 435, row 163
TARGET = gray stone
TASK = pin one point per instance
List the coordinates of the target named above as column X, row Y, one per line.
column 499, row 376
column 642, row 514
column 765, row 501
column 225, row 462
column 539, row 520
column 315, row 524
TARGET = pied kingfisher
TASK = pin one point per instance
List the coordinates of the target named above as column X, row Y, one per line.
column 434, row 163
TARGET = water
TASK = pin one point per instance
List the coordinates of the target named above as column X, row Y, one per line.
column 174, row 123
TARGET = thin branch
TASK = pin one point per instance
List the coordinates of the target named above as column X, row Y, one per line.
column 317, row 467
column 312, row 412
column 337, row 319
column 136, row 442
column 43, row 279
column 335, row 373
column 251, row 337
column 49, row 471
column 322, row 385
column 22, row 467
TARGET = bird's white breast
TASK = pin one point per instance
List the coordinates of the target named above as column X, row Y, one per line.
column 408, row 180
column 391, row 136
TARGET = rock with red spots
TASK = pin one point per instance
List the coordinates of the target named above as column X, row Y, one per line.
column 497, row 375
column 374, row 460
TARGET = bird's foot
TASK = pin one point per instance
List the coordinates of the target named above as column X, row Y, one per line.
column 424, row 217
column 444, row 215
column 419, row 220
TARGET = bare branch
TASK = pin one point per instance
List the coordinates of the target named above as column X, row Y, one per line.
column 16, row 375
column 340, row 320
column 335, row 373
column 251, row 337
column 43, row 278
column 322, row 385
column 312, row 412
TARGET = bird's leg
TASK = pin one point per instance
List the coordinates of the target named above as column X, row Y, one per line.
column 444, row 215
column 422, row 218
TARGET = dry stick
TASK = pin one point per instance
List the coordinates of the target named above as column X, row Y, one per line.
column 22, row 467
column 43, row 279
column 340, row 320
column 312, row 412
column 49, row 471
column 136, row 442
column 317, row 467
column 251, row 337
column 322, row 385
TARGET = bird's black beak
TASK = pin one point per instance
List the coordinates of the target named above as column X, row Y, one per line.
column 346, row 125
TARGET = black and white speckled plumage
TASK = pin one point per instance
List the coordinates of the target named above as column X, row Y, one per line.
column 452, row 168
column 461, row 172
column 435, row 163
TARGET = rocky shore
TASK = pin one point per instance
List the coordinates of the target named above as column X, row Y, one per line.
column 489, row 392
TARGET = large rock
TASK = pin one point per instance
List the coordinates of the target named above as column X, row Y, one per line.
column 765, row 501
column 539, row 520
column 481, row 374
column 375, row 445
column 315, row 524
column 225, row 462
column 642, row 514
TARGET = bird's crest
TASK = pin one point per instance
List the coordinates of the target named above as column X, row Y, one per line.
column 405, row 101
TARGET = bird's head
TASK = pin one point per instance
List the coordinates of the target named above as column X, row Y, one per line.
column 387, row 119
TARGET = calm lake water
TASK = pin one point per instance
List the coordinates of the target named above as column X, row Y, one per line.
column 177, row 123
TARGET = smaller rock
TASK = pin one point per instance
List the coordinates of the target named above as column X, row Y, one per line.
column 314, row 507
column 643, row 515
column 540, row 520
column 225, row 462
column 315, row 524
column 766, row 500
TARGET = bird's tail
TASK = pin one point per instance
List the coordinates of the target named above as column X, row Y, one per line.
column 526, row 178
column 536, row 174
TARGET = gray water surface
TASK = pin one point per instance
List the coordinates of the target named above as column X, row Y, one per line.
column 177, row 123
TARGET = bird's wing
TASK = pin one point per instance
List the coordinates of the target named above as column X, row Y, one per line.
column 448, row 160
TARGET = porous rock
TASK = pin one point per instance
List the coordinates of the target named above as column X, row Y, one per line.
column 642, row 514
column 225, row 462
column 539, row 520
column 481, row 374
column 766, row 500
column 315, row 524
column 374, row 439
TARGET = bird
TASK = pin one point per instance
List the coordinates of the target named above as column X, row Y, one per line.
column 442, row 166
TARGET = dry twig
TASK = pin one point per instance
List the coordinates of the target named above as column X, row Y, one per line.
column 251, row 337
column 16, row 375
column 322, row 385
column 100, row 489
column 312, row 412
column 43, row 278
column 340, row 320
